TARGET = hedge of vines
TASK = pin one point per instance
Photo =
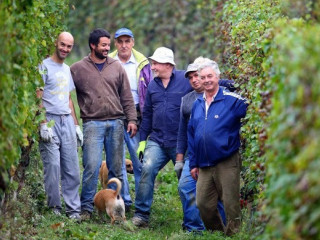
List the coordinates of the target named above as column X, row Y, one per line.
column 272, row 49
column 28, row 30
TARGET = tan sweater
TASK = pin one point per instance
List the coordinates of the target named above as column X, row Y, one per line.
column 103, row 95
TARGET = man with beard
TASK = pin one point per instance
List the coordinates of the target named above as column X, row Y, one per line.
column 58, row 143
column 105, row 100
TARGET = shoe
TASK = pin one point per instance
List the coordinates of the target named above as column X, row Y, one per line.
column 85, row 215
column 75, row 216
column 56, row 211
column 139, row 222
column 127, row 208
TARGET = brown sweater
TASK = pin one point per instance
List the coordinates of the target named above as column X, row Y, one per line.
column 103, row 95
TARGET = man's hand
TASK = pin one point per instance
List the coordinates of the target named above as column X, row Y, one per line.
column 178, row 168
column 133, row 129
column 79, row 134
column 141, row 148
column 46, row 133
column 194, row 173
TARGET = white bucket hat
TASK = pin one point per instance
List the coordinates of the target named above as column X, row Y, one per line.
column 163, row 55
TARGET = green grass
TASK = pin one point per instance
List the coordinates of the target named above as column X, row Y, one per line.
column 29, row 218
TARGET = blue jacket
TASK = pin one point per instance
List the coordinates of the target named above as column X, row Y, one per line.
column 161, row 111
column 185, row 112
column 214, row 137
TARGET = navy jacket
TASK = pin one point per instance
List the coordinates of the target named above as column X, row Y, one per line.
column 161, row 112
column 214, row 137
column 185, row 112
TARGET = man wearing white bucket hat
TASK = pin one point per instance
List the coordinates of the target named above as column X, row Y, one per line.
column 160, row 125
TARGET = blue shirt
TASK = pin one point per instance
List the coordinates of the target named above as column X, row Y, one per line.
column 161, row 112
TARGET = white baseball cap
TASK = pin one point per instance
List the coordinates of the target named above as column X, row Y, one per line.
column 192, row 67
column 163, row 55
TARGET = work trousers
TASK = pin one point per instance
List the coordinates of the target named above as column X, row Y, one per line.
column 220, row 182
column 60, row 159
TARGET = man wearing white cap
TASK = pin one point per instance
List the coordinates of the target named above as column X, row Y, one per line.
column 160, row 125
column 139, row 74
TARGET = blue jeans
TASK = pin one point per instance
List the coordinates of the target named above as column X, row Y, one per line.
column 187, row 191
column 155, row 158
column 132, row 145
column 98, row 135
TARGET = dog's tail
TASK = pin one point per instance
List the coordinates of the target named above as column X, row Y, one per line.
column 117, row 181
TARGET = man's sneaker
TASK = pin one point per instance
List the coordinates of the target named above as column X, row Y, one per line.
column 85, row 215
column 139, row 222
column 56, row 211
column 75, row 216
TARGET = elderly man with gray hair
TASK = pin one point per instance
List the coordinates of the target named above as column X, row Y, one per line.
column 187, row 185
column 213, row 150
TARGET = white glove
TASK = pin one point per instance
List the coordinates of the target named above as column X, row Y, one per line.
column 46, row 133
column 79, row 134
column 178, row 168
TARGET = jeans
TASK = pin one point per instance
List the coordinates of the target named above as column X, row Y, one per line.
column 132, row 146
column 187, row 191
column 98, row 135
column 60, row 159
column 155, row 158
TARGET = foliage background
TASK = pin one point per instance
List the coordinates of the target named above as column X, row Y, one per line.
column 28, row 30
column 270, row 48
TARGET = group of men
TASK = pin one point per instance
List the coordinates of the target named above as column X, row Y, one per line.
column 126, row 102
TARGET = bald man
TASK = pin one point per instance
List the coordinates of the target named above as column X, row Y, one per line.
column 58, row 139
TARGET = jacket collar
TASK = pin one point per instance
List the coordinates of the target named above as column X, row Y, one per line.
column 108, row 61
column 219, row 96
column 140, row 58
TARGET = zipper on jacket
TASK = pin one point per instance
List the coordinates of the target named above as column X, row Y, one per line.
column 204, row 135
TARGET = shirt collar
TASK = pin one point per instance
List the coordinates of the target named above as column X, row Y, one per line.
column 132, row 59
column 204, row 95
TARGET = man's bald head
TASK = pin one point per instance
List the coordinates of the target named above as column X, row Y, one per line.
column 65, row 36
column 64, row 45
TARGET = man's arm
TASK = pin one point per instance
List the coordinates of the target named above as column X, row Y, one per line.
column 73, row 113
column 146, row 124
column 194, row 170
column 191, row 155
column 76, row 123
column 127, row 103
column 39, row 93
column 229, row 84
column 46, row 132
column 182, row 139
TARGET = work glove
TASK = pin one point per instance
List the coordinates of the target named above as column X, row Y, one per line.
column 79, row 135
column 141, row 148
column 46, row 133
column 178, row 168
